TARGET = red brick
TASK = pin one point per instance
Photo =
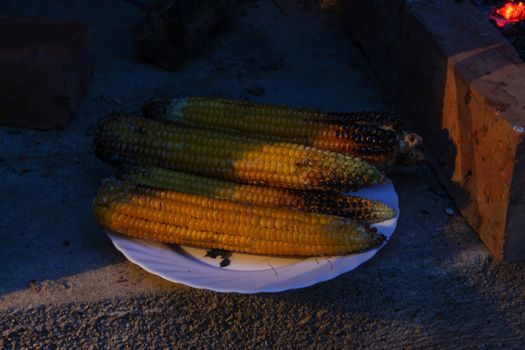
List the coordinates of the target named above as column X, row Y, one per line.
column 462, row 85
column 45, row 68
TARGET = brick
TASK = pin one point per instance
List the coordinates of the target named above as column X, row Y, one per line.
column 462, row 86
column 45, row 69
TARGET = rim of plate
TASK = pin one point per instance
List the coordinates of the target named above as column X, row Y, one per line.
column 332, row 273
column 311, row 270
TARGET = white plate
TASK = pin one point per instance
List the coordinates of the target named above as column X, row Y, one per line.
column 248, row 273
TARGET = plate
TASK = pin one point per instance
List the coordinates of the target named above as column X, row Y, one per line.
column 249, row 273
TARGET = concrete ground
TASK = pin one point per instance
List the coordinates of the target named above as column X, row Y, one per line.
column 65, row 286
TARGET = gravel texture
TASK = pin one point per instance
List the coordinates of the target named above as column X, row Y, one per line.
column 64, row 285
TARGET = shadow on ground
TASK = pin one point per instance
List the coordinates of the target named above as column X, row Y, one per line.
column 50, row 178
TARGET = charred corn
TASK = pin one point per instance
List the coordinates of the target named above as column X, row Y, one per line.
column 352, row 207
column 374, row 136
column 245, row 159
column 213, row 223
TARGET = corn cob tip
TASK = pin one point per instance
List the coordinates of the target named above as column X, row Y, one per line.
column 374, row 174
column 378, row 176
column 389, row 212
column 159, row 109
column 381, row 212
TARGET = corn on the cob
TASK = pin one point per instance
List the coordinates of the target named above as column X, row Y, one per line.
column 213, row 223
column 373, row 136
column 130, row 139
column 163, row 197
column 355, row 208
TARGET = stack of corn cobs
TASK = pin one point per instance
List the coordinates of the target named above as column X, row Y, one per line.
column 248, row 177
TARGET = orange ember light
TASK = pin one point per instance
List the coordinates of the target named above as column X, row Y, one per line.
column 512, row 11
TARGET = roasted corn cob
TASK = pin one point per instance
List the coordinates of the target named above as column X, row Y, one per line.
column 355, row 208
column 373, row 136
column 130, row 139
column 213, row 223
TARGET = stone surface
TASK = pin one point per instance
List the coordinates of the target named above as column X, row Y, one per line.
column 463, row 86
column 45, row 68
column 65, row 286
column 171, row 34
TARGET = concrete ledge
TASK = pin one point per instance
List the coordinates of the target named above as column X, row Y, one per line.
column 462, row 86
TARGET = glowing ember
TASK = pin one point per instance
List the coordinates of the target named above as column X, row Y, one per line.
column 512, row 11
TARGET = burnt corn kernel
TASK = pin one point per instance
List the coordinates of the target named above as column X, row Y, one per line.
column 212, row 223
column 241, row 158
column 338, row 132
column 351, row 207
